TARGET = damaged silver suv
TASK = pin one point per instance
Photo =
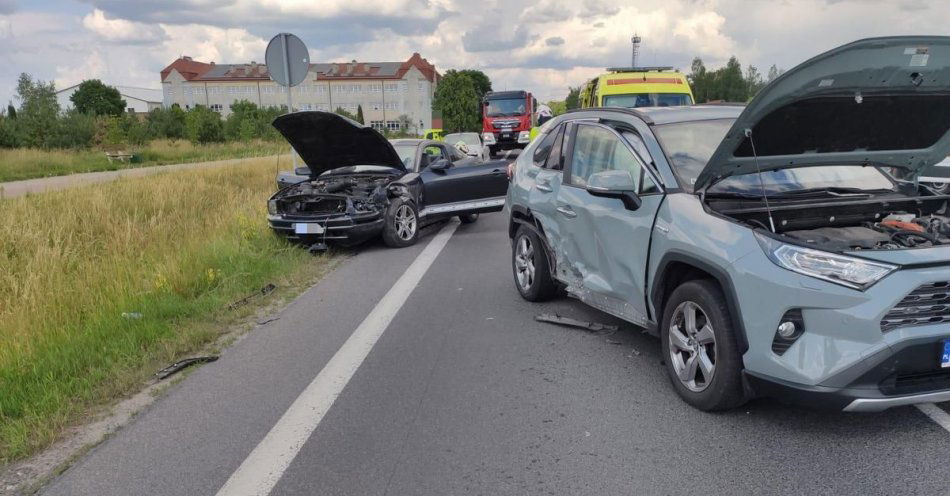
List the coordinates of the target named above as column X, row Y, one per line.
column 767, row 245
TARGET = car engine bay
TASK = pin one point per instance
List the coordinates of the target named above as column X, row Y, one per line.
column 893, row 223
column 351, row 194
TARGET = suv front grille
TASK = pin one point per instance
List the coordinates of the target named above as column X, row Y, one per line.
column 928, row 304
column 914, row 383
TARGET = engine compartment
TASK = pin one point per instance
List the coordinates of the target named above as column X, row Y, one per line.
column 350, row 194
column 891, row 223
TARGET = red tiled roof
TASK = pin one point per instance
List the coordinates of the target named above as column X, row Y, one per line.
column 188, row 68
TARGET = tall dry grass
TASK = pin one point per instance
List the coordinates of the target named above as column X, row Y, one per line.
column 27, row 163
column 175, row 247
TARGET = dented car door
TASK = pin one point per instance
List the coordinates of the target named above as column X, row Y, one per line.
column 602, row 227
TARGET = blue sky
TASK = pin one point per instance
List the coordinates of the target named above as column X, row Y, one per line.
column 542, row 46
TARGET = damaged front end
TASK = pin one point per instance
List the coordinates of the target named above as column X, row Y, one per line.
column 343, row 209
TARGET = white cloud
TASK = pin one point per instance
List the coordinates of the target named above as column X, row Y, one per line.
column 121, row 30
column 126, row 42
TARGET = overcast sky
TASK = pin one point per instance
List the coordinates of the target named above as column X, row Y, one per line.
column 542, row 46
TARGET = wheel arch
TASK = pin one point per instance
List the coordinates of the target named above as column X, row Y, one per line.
column 522, row 216
column 676, row 268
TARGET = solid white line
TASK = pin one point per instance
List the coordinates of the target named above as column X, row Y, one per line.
column 267, row 462
column 937, row 414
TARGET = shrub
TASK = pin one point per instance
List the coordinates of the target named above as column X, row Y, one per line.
column 73, row 130
column 166, row 123
column 203, row 125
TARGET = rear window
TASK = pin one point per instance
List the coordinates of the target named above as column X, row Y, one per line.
column 689, row 145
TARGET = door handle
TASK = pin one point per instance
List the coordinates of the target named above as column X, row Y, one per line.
column 567, row 211
column 543, row 187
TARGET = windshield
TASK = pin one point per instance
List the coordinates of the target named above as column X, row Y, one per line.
column 407, row 154
column 857, row 177
column 467, row 138
column 647, row 100
column 689, row 145
column 505, row 107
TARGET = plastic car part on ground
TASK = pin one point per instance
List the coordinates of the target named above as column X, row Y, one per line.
column 580, row 324
column 266, row 290
column 182, row 364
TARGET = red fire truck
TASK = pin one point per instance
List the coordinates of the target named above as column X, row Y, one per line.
column 507, row 119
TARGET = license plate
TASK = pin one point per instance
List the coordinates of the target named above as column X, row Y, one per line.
column 308, row 228
column 945, row 357
column 505, row 135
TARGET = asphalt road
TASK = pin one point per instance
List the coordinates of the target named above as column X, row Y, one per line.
column 464, row 393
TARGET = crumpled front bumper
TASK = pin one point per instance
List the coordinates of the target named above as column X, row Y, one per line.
column 341, row 229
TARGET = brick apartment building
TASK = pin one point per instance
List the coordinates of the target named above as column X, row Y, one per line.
column 387, row 91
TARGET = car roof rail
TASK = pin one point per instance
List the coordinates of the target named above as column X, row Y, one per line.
column 622, row 110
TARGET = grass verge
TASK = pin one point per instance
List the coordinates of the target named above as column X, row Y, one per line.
column 175, row 248
column 28, row 163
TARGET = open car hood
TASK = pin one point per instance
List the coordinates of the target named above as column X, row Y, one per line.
column 879, row 101
column 327, row 141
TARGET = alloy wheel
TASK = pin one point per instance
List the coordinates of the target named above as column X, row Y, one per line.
column 524, row 263
column 405, row 222
column 692, row 346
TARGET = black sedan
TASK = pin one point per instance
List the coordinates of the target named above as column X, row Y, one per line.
column 361, row 186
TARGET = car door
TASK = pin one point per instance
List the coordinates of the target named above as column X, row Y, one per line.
column 543, row 171
column 605, row 245
column 466, row 186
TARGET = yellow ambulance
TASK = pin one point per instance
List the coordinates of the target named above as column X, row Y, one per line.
column 637, row 87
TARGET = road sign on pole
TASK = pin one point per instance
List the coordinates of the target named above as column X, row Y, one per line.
column 288, row 62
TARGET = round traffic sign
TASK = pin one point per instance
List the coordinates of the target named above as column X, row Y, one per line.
column 287, row 59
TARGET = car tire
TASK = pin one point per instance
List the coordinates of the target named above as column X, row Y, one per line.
column 492, row 151
column 706, row 347
column 401, row 226
column 468, row 218
column 529, row 265
column 939, row 188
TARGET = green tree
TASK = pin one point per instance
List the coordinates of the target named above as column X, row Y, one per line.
column 573, row 99
column 11, row 111
column 9, row 132
column 359, row 114
column 73, row 129
column 94, row 97
column 203, row 125
column 558, row 107
column 38, row 111
column 774, row 72
column 753, row 80
column 243, row 122
column 481, row 80
column 699, row 80
column 457, row 99
column 166, row 123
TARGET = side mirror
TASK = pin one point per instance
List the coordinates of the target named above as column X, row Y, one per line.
column 440, row 165
column 615, row 184
column 302, row 171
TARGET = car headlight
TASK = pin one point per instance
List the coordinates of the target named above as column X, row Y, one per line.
column 488, row 138
column 272, row 207
column 524, row 137
column 852, row 272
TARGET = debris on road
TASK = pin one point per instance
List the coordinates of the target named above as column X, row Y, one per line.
column 634, row 351
column 567, row 321
column 317, row 248
column 266, row 290
column 267, row 321
column 182, row 364
column 611, row 341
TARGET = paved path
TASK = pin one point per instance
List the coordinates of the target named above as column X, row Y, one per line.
column 417, row 371
column 14, row 189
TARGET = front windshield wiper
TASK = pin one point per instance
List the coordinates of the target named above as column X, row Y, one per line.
column 832, row 191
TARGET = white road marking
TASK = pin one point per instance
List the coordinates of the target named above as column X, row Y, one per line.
column 937, row 414
column 261, row 470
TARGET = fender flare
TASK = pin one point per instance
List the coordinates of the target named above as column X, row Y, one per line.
column 720, row 275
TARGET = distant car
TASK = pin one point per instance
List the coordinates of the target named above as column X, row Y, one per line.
column 432, row 134
column 358, row 185
column 937, row 177
column 473, row 144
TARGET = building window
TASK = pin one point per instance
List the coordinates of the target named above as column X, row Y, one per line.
column 377, row 125
column 404, row 87
column 217, row 107
column 391, row 87
column 421, row 89
column 375, row 88
column 392, row 106
column 392, row 125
